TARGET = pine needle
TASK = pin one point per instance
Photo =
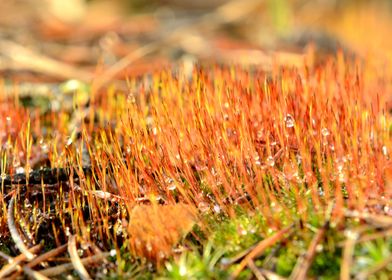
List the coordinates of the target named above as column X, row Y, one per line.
column 73, row 253
column 14, row 232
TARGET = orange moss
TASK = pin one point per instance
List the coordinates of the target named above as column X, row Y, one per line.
column 217, row 138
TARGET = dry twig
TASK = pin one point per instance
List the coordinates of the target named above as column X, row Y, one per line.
column 303, row 264
column 73, row 253
column 14, row 264
column 53, row 271
column 348, row 252
column 14, row 232
column 259, row 249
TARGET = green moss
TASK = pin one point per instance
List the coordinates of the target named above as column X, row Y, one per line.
column 240, row 233
column 193, row 265
column 286, row 262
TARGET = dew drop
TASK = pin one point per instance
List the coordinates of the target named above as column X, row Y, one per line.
column 243, row 232
column 298, row 158
column 384, row 150
column 342, row 177
column 289, row 120
column 319, row 248
column 131, row 98
column 113, row 253
column 217, row 208
column 3, row 176
column 182, row 270
column 325, row 132
column 128, row 149
column 172, row 187
column 161, row 255
column 203, row 207
column 270, row 161
column 43, row 145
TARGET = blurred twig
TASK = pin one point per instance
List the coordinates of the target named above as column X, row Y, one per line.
column 229, row 12
column 28, row 59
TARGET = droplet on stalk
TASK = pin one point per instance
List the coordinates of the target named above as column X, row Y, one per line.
column 325, row 132
column 270, row 161
column 289, row 120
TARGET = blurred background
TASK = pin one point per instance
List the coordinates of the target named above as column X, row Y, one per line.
column 57, row 40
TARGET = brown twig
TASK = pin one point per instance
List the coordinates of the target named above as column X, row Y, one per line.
column 255, row 270
column 73, row 253
column 38, row 260
column 348, row 252
column 259, row 249
column 14, row 232
column 271, row 275
column 231, row 11
column 365, row 274
column 34, row 274
column 303, row 264
column 9, row 268
column 53, row 271
column 33, row 61
column 373, row 219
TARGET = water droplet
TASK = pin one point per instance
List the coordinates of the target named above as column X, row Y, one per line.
column 289, row 120
column 182, row 270
column 384, row 150
column 319, row 248
column 353, row 235
column 217, row 208
column 8, row 119
column 128, row 150
column 298, row 158
column 325, row 132
column 3, row 176
column 203, row 206
column 43, row 145
column 243, row 232
column 131, row 98
column 149, row 247
column 172, row 187
column 342, row 177
column 20, row 170
column 270, row 161
column 161, row 255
